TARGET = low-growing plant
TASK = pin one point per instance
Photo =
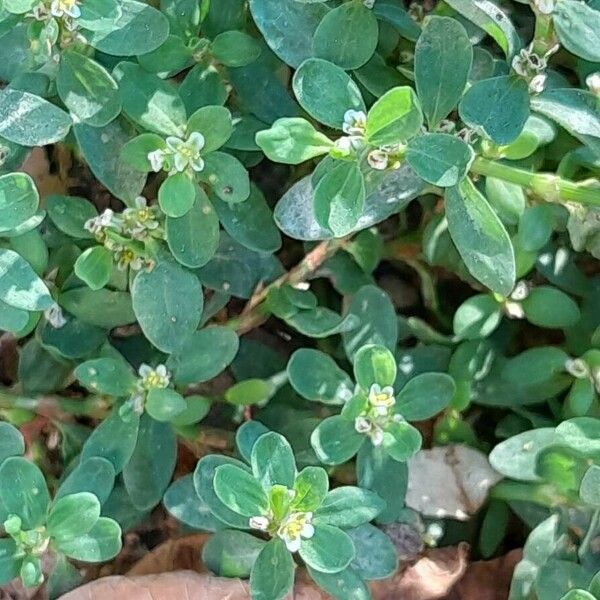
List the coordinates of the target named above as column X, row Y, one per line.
column 433, row 169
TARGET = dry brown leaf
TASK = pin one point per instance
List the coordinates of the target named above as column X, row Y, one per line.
column 429, row 578
column 449, row 481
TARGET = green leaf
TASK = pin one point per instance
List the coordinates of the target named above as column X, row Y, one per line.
column 203, row 85
column 329, row 550
column 95, row 475
column 273, row 461
column 149, row 101
column 326, row 91
column 589, row 490
column 424, row 396
column 87, row 89
column 101, row 149
column 20, row 287
column 19, row 200
column 13, row 319
column 227, row 177
column 376, row 556
column 250, row 222
column 246, row 436
column 340, row 198
column 395, row 117
column 317, row 377
column 94, row 267
column 70, row 213
column 443, row 57
column 240, row 491
column 402, row 441
column 272, row 575
column 550, row 307
column 177, row 194
column 73, row 515
column 575, row 110
column 9, row 563
column 214, row 123
column 498, row 107
column 517, row 457
column 204, row 355
column 342, row 585
column 378, row 320
column 374, row 364
column 477, row 317
column 231, row 553
column 135, row 152
column 349, row 506
column 29, row 120
column 397, row 16
column 439, row 158
column 492, row 20
column 335, row 441
column 100, row 544
column 11, row 441
column 150, row 468
column 377, row 471
column 164, row 404
column 250, row 391
column 138, row 29
column 292, row 141
column 335, row 39
column 311, row 486
column 197, row 407
column 480, row 238
column 578, row 28
column 24, row 491
column 235, row 48
column 106, row 376
column 204, row 476
column 114, row 439
column 581, row 434
column 493, row 528
column 18, row 7
column 321, row 322
column 184, row 504
column 288, row 27
column 168, row 304
column 103, row 308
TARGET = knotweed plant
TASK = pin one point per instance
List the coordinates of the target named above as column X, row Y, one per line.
column 306, row 242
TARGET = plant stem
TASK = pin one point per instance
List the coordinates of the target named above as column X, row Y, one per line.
column 551, row 188
column 256, row 313
column 590, row 534
column 544, row 36
column 53, row 407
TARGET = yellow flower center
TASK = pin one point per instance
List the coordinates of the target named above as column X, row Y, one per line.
column 294, row 525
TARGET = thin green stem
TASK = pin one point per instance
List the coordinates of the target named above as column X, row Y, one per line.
column 548, row 186
column 590, row 534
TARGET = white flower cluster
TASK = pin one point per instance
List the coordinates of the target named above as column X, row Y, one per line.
column 137, row 223
column 532, row 67
column 294, row 527
column 593, row 83
column 179, row 155
column 512, row 305
column 580, row 369
column 378, row 415
column 149, row 378
column 67, row 11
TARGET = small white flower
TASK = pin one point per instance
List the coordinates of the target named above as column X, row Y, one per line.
column 101, row 222
column 153, row 378
column 295, row 527
column 187, row 153
column 514, row 310
column 139, row 221
column 546, row 7
column 520, row 292
column 593, row 82
column 362, row 425
column 378, row 160
column 538, row 83
column 260, row 523
column 54, row 316
column 355, row 122
column 369, row 3
column 376, row 437
column 381, row 397
column 577, row 368
column 157, row 160
column 60, row 8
